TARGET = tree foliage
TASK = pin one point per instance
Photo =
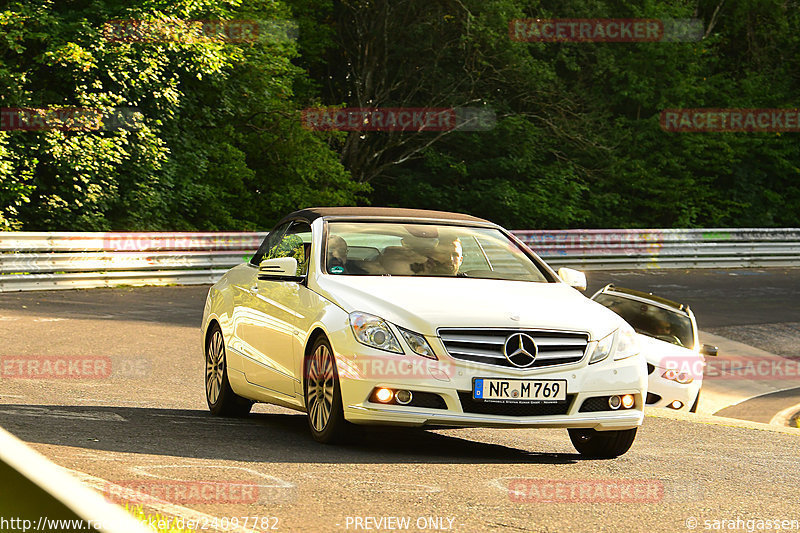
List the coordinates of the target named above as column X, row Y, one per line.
column 220, row 144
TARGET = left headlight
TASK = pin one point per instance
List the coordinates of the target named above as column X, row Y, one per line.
column 417, row 343
column 626, row 345
column 374, row 331
column 602, row 348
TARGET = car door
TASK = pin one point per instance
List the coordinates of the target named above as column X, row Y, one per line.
column 274, row 310
column 243, row 314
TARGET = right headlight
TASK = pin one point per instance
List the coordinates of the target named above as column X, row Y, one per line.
column 374, row 331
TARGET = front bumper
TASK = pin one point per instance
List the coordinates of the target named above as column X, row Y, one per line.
column 668, row 391
column 367, row 369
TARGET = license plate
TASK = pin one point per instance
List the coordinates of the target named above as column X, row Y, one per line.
column 519, row 390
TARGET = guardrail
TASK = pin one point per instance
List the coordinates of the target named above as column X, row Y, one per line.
column 37, row 261
column 604, row 249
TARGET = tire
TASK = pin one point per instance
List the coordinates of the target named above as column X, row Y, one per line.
column 602, row 444
column 221, row 399
column 323, row 395
column 694, row 405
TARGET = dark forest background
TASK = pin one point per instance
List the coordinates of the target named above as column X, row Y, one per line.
column 219, row 143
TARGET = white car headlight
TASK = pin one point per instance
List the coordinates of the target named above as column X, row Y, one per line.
column 602, row 348
column 417, row 343
column 627, row 343
column 374, row 331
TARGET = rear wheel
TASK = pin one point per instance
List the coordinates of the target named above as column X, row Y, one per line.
column 602, row 444
column 323, row 395
column 222, row 401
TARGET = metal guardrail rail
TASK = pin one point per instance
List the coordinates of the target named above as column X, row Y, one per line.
column 604, row 249
column 44, row 261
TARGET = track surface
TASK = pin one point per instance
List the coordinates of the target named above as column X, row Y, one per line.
column 150, row 422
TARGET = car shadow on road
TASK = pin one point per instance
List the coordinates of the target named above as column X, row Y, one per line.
column 261, row 437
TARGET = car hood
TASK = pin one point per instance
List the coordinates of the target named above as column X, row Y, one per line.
column 659, row 353
column 424, row 304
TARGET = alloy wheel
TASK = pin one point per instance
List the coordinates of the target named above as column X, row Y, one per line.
column 320, row 387
column 214, row 367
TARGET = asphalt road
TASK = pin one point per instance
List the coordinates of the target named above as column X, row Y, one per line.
column 147, row 421
column 721, row 299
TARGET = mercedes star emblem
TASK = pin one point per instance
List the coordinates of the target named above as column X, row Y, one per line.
column 520, row 349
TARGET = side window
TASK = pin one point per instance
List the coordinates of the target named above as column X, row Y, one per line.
column 269, row 242
column 295, row 242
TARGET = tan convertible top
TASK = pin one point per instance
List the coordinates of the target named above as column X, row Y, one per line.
column 312, row 213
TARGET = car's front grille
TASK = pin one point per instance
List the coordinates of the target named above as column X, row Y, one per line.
column 482, row 407
column 486, row 346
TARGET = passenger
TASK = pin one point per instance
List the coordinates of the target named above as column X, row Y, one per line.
column 401, row 260
column 446, row 258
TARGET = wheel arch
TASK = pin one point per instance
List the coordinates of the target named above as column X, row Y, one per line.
column 213, row 321
column 315, row 334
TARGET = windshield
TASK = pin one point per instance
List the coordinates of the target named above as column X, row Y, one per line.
column 399, row 249
column 651, row 320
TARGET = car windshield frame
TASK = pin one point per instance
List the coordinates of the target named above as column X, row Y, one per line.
column 539, row 272
column 688, row 332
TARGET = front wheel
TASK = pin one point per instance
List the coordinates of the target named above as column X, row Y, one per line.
column 602, row 444
column 323, row 395
column 221, row 399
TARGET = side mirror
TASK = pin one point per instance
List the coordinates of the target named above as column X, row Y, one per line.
column 573, row 278
column 708, row 349
column 278, row 268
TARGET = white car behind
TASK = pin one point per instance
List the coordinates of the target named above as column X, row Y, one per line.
column 669, row 341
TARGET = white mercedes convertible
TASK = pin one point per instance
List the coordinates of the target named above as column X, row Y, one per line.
column 419, row 318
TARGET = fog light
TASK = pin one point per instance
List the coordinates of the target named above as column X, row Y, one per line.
column 627, row 401
column 384, row 395
column 677, row 404
column 614, row 402
column 403, row 397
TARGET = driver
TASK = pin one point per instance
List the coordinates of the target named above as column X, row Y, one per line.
column 663, row 328
column 337, row 257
